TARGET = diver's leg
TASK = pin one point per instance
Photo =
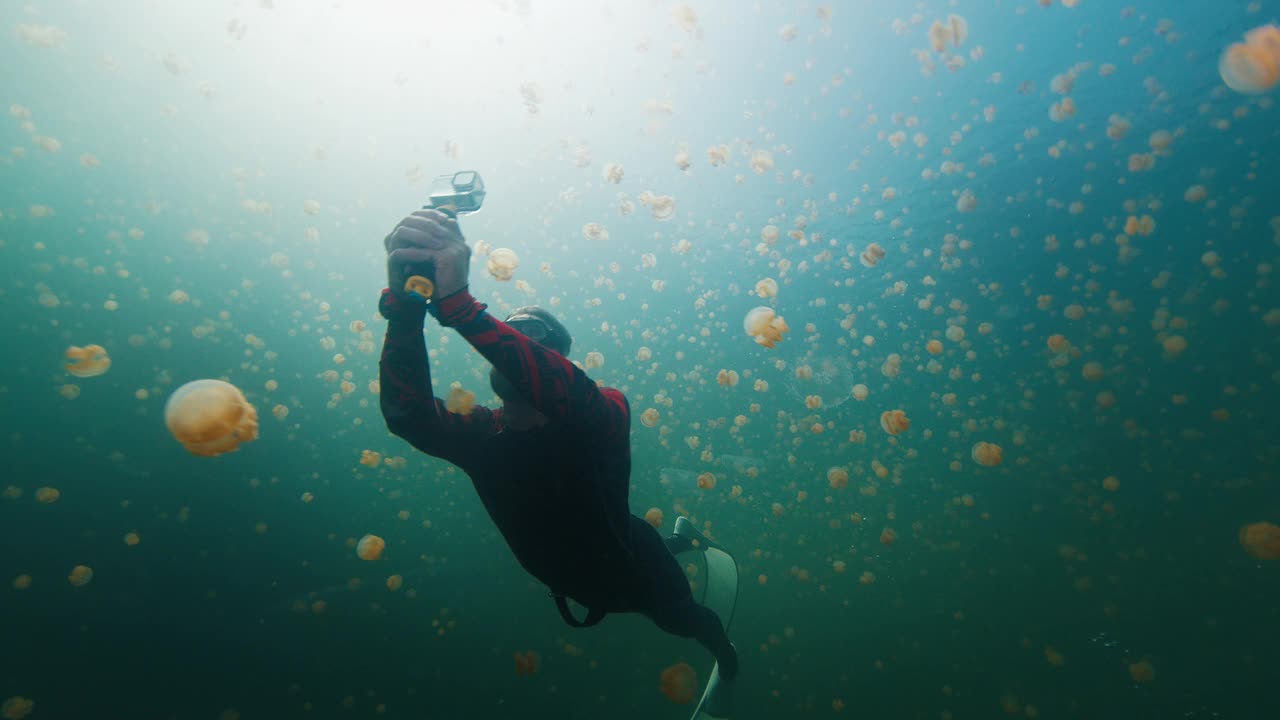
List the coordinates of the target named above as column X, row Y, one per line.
column 691, row 620
column 677, row 544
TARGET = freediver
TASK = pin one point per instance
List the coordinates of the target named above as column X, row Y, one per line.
column 552, row 466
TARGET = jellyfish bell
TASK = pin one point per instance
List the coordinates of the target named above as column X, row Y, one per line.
column 678, row 683
column 88, row 361
column 1253, row 66
column 210, row 417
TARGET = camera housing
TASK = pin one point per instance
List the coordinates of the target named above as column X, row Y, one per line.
column 458, row 194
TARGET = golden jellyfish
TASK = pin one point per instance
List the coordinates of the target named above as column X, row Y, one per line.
column 1058, row 344
column 1092, row 371
column 770, row 234
column 280, row 412
column 761, row 161
column 707, row 481
column 594, row 360
column 1142, row 671
column 934, row 347
column 649, row 417
column 987, row 454
column 1111, row 483
column 860, row 392
column 88, row 361
column 47, row 495
column 502, row 264
column 22, row 582
column 872, row 255
column 210, row 417
column 678, row 683
column 867, row 577
column 460, row 402
column 1253, row 66
column 132, row 539
column 16, row 708
column 1261, row 540
column 395, row 582
column 370, row 547
column 888, row 536
column 1174, row 345
column 527, row 663
column 813, row 402
column 595, row 231
column 838, row 478
column 727, row 378
column 894, row 421
column 767, row 288
column 654, row 516
column 80, row 575
column 765, row 326
column 370, row 458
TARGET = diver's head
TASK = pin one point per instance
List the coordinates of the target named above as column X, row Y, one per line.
column 540, row 326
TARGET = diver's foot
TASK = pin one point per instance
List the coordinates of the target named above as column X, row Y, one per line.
column 729, row 663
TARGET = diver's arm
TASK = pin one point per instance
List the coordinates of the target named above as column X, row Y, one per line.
column 554, row 386
column 408, row 405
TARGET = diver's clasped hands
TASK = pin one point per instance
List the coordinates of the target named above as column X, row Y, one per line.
column 425, row 238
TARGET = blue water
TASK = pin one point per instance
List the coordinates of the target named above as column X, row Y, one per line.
column 153, row 147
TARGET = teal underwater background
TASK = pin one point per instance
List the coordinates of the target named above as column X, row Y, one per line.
column 203, row 188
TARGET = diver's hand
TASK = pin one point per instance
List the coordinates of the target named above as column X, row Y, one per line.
column 428, row 237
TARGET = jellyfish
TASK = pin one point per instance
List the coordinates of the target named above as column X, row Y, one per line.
column 1252, row 67
column 727, row 378
column 707, row 481
column 80, row 575
column 395, row 582
column 838, row 478
column 460, row 402
column 987, row 454
column 595, row 231
column 654, row 516
column 502, row 264
column 767, row 288
column 765, row 326
column 894, row 421
column 210, row 417
column 370, row 547
column 16, row 708
column 1058, row 344
column 88, row 361
column 1142, row 671
column 649, row 418
column 872, row 255
column 888, row 536
column 761, row 161
column 527, row 663
column 47, row 495
column 370, row 458
column 678, row 683
column 1261, row 540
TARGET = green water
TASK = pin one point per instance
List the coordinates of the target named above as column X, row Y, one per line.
column 152, row 148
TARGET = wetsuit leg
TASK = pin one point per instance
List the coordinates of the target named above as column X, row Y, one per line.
column 677, row 544
column 691, row 620
column 663, row 596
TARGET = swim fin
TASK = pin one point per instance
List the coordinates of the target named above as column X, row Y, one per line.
column 720, row 593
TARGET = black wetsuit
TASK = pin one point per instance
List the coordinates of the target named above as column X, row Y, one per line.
column 557, row 493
